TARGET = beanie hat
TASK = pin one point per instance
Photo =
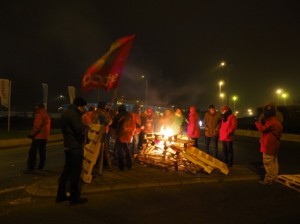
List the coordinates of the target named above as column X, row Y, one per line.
column 211, row 106
column 79, row 102
column 225, row 107
column 269, row 111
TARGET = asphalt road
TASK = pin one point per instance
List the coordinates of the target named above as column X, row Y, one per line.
column 224, row 202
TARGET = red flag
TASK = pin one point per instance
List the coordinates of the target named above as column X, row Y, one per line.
column 106, row 72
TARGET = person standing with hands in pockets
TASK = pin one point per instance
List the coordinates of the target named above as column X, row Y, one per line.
column 212, row 123
column 74, row 131
column 228, row 126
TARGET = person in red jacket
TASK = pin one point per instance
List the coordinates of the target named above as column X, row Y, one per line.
column 39, row 134
column 228, row 126
column 193, row 128
column 271, row 131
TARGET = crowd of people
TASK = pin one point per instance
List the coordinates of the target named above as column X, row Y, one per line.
column 129, row 128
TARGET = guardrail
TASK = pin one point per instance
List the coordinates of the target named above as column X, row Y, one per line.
column 284, row 137
column 20, row 142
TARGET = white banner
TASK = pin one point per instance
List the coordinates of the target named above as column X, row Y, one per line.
column 72, row 91
column 4, row 92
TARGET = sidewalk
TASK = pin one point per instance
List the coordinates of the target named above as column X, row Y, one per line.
column 141, row 176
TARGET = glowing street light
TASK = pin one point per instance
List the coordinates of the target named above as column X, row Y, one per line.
column 221, row 83
column 222, row 95
column 278, row 92
column 223, row 64
column 234, row 98
column 284, row 96
column 250, row 112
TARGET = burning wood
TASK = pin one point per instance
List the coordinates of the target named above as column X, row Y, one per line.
column 173, row 151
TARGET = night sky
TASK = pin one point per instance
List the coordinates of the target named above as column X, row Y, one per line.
column 178, row 48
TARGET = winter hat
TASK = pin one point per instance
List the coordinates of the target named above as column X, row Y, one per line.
column 79, row 102
column 269, row 111
column 211, row 106
column 225, row 107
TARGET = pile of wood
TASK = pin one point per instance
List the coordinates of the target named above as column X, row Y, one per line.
column 177, row 153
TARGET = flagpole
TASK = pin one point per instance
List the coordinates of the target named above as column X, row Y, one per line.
column 8, row 116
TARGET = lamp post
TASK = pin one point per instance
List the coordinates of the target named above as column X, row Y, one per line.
column 222, row 95
column 221, row 83
column 284, row 96
column 234, row 98
column 278, row 92
column 223, row 64
column 146, row 93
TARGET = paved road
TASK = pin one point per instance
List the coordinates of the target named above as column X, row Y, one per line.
column 222, row 202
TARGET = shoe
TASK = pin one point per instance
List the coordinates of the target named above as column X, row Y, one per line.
column 62, row 199
column 78, row 201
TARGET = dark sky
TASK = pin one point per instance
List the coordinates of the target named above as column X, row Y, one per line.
column 178, row 47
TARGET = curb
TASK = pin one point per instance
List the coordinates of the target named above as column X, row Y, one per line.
column 48, row 188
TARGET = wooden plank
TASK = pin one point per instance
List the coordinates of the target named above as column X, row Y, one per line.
column 208, row 159
column 291, row 181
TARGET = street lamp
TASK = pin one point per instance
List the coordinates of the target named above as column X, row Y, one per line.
column 234, row 98
column 146, row 89
column 222, row 95
column 221, row 83
column 278, row 92
column 284, row 96
column 223, row 64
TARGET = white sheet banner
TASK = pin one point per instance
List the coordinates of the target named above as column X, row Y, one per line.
column 72, row 91
column 4, row 92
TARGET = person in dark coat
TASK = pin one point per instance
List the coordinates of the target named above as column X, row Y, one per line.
column 74, row 131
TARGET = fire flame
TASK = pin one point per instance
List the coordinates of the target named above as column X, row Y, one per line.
column 166, row 132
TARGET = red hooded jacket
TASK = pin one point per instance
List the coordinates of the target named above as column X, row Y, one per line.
column 271, row 134
column 193, row 128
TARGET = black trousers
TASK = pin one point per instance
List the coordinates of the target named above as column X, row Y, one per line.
column 71, row 173
column 124, row 156
column 215, row 142
column 228, row 152
column 37, row 144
